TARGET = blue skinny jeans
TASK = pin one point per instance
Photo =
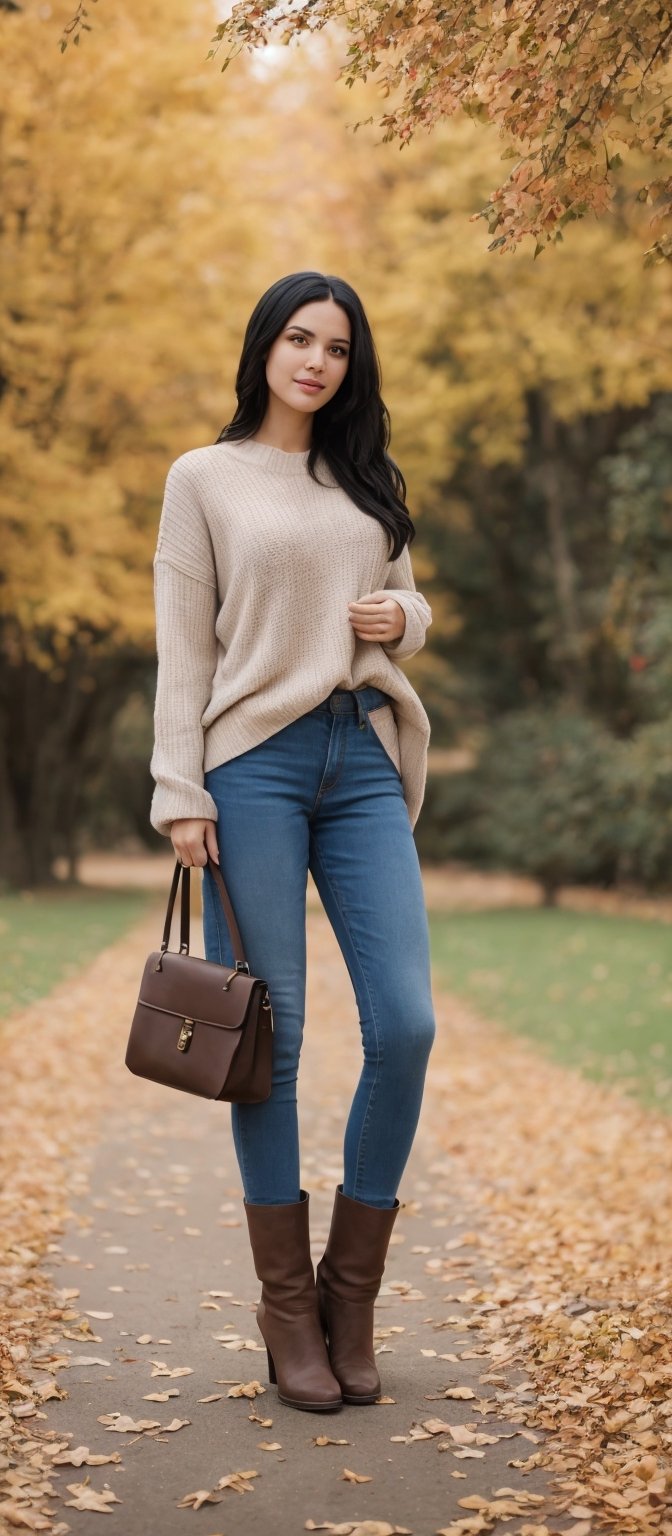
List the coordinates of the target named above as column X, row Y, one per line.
column 323, row 794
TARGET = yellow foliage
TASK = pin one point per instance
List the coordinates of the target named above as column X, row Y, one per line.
column 131, row 255
column 148, row 202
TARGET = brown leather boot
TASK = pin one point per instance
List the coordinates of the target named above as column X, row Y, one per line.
column 287, row 1314
column 348, row 1282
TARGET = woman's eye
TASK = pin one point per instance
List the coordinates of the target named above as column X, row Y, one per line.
column 340, row 350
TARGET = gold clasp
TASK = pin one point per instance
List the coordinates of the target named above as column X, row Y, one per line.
column 185, row 1035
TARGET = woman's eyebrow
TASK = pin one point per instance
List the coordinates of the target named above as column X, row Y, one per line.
column 312, row 333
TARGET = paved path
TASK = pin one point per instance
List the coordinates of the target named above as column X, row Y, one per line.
column 156, row 1241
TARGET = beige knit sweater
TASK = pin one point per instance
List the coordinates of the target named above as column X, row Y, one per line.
column 254, row 569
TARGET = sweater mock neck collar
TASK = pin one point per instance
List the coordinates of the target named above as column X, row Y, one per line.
column 267, row 457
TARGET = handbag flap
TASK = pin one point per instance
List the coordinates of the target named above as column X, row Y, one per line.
column 197, row 989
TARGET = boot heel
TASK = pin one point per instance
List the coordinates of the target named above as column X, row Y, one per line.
column 271, row 1369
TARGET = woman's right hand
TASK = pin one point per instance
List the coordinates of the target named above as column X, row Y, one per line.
column 193, row 839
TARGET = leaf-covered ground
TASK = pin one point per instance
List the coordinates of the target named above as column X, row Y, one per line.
column 562, row 1276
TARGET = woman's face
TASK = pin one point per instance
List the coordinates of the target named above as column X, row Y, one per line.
column 314, row 345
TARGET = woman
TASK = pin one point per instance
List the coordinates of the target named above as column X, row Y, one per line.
column 287, row 740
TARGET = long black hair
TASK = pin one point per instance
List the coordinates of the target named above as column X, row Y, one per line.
column 352, row 430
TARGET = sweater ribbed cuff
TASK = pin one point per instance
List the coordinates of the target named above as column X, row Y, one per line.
column 171, row 804
column 413, row 637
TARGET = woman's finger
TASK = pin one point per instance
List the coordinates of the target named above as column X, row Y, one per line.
column 211, row 841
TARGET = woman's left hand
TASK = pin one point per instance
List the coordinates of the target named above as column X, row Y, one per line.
column 377, row 617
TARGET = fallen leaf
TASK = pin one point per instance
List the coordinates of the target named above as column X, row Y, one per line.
column 87, row 1498
column 160, row 1397
column 347, row 1476
column 17, row 1514
column 101, row 1315
column 360, row 1528
column 269, row 1445
column 469, row 1526
column 196, row 1500
column 161, row 1369
column 236, row 1344
column 239, row 1482
column 125, row 1425
column 246, row 1389
column 79, row 1455
column 324, row 1440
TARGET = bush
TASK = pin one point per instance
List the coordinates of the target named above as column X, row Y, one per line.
column 538, row 802
column 447, row 827
column 545, row 809
column 639, row 781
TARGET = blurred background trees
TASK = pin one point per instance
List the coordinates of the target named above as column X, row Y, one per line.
column 564, row 83
column 148, row 201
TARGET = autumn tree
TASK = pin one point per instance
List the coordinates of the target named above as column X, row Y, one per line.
column 572, row 88
column 512, row 387
column 124, row 310
column 126, row 228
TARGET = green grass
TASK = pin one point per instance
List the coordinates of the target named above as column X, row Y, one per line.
column 593, row 991
column 48, row 935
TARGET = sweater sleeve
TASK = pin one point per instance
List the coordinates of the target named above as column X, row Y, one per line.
column 186, row 603
column 417, row 610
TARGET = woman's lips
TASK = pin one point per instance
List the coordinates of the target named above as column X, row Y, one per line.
column 312, row 389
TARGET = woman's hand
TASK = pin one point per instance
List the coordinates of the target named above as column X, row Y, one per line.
column 377, row 617
column 193, row 839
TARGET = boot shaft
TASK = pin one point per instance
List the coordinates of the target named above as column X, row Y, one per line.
column 353, row 1262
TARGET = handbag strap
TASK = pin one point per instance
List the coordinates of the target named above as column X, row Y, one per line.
column 182, row 870
column 185, row 910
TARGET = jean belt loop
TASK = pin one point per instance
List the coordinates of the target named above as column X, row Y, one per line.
column 361, row 712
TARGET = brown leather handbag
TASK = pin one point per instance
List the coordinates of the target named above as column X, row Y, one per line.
column 200, row 1026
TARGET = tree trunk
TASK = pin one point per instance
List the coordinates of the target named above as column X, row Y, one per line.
column 550, row 479
column 55, row 731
